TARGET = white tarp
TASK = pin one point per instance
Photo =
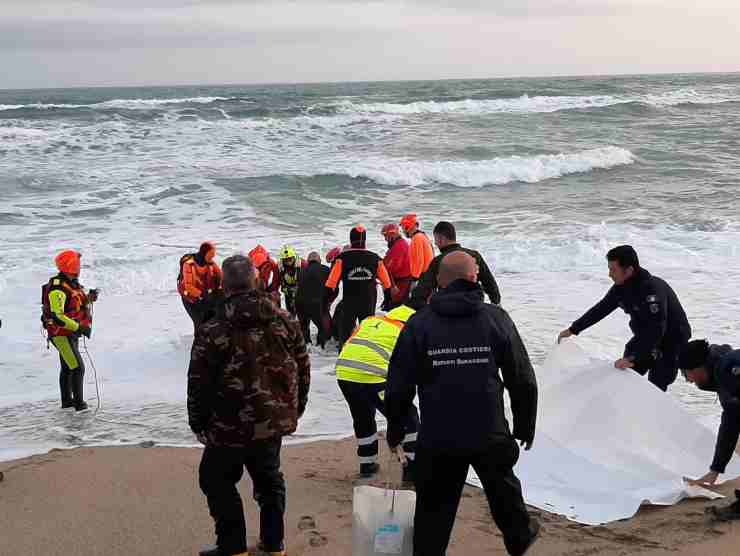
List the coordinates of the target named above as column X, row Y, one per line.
column 608, row 441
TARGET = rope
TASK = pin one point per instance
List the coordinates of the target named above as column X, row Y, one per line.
column 99, row 397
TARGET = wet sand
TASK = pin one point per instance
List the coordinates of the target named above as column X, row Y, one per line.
column 125, row 501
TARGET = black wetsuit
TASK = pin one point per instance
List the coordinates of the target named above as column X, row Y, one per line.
column 657, row 320
column 310, row 303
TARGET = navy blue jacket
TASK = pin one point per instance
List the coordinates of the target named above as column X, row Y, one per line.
column 452, row 351
column 657, row 318
column 724, row 368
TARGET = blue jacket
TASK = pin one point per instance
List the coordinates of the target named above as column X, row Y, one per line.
column 452, row 350
column 724, row 368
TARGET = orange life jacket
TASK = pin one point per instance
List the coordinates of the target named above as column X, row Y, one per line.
column 76, row 306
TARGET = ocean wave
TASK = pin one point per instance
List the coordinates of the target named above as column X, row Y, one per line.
column 538, row 104
column 497, row 171
column 128, row 104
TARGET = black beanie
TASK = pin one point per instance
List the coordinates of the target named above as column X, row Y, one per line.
column 694, row 355
column 357, row 237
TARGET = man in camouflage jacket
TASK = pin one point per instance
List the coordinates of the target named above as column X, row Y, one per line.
column 248, row 385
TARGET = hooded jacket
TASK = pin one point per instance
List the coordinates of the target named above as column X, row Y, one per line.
column 460, row 353
column 311, row 286
column 724, row 370
column 249, row 373
column 657, row 318
column 398, row 262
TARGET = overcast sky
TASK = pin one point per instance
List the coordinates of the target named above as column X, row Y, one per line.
column 63, row 43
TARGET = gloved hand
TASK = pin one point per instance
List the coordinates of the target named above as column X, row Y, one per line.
column 85, row 330
column 387, row 300
column 92, row 295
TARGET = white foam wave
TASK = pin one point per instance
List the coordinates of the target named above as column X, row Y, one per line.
column 119, row 103
column 496, row 171
column 22, row 133
column 523, row 104
column 539, row 104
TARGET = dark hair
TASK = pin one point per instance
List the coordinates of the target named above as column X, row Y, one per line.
column 693, row 355
column 446, row 230
column 238, row 272
column 625, row 255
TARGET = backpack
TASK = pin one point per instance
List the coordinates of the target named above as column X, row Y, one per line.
column 185, row 258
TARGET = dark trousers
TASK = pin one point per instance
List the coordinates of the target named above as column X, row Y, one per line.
column 308, row 314
column 353, row 312
column 196, row 311
column 221, row 469
column 72, row 369
column 363, row 401
column 440, row 478
column 664, row 370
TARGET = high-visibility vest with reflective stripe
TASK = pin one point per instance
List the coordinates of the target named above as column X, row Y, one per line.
column 365, row 356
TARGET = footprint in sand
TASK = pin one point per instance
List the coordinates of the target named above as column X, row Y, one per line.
column 317, row 539
column 306, row 522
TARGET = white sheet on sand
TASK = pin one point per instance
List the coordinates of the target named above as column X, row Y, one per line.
column 608, row 441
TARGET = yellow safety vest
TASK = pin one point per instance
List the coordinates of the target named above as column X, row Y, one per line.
column 365, row 356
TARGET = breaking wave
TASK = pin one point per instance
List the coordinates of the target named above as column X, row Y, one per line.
column 497, row 171
column 540, row 104
column 130, row 104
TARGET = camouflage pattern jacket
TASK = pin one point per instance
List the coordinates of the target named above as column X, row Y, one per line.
column 249, row 373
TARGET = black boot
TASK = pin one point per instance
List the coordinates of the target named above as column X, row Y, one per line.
column 368, row 470
column 77, row 380
column 65, row 388
column 213, row 550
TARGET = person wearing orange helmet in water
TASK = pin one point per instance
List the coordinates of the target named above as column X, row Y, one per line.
column 359, row 270
column 200, row 283
column 268, row 272
column 398, row 262
column 67, row 315
column 421, row 252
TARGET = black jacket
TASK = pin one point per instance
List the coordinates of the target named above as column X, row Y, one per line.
column 311, row 285
column 452, row 350
column 657, row 318
column 724, row 368
column 428, row 282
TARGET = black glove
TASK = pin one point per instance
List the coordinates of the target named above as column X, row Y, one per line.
column 85, row 330
column 387, row 300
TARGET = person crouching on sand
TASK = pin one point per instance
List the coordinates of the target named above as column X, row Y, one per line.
column 241, row 422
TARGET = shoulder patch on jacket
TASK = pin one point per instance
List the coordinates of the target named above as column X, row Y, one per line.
column 735, row 371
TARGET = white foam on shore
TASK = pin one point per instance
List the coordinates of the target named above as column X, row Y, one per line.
column 496, row 171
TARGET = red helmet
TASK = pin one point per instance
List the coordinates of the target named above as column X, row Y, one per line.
column 390, row 230
column 259, row 256
column 333, row 254
column 408, row 222
column 68, row 262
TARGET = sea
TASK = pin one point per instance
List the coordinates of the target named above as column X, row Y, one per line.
column 542, row 176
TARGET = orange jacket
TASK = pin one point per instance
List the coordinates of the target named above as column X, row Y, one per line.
column 336, row 275
column 422, row 254
column 199, row 280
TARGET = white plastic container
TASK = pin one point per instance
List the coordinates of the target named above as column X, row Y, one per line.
column 383, row 521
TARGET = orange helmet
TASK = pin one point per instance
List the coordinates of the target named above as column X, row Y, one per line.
column 390, row 230
column 68, row 262
column 259, row 256
column 357, row 236
column 333, row 254
column 408, row 222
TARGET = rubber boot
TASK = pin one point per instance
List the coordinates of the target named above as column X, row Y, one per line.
column 65, row 387
column 77, row 380
column 261, row 550
column 368, row 470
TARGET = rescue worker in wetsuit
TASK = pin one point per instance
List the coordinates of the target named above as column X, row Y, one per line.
column 657, row 319
column 310, row 303
column 290, row 274
column 336, row 316
column 460, row 354
column 398, row 262
column 200, row 283
column 67, row 315
column 421, row 251
column 357, row 269
column 268, row 272
column 445, row 238
column 716, row 368
column 362, row 368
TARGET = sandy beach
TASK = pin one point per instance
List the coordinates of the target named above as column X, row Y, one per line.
column 145, row 501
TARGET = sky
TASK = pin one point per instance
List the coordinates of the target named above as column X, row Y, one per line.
column 67, row 43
